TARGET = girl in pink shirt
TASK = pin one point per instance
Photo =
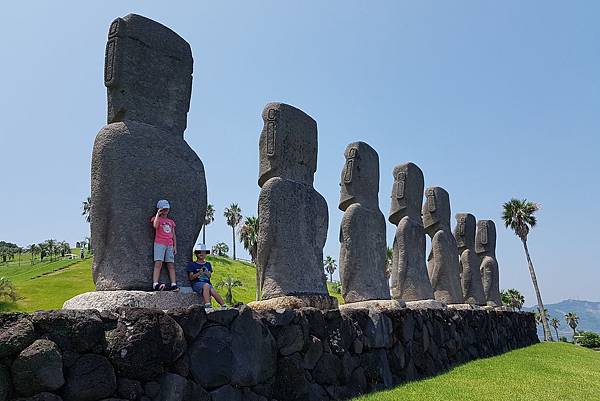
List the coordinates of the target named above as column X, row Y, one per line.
column 165, row 246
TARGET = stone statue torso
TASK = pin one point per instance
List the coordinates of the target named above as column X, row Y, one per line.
column 491, row 282
column 444, row 268
column 472, row 286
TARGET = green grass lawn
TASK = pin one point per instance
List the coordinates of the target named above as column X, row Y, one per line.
column 47, row 285
column 545, row 372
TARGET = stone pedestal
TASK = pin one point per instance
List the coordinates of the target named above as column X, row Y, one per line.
column 461, row 306
column 384, row 305
column 110, row 300
column 426, row 304
column 323, row 302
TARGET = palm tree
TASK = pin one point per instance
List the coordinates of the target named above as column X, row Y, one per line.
column 86, row 208
column 518, row 216
column 7, row 290
column 330, row 267
column 249, row 236
column 388, row 262
column 220, row 249
column 513, row 298
column 50, row 247
column 572, row 320
column 555, row 323
column 540, row 317
column 33, row 249
column 209, row 217
column 233, row 214
column 229, row 283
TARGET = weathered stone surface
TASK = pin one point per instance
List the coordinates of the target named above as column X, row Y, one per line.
column 41, row 397
column 152, row 389
column 173, row 388
column 212, row 348
column 253, row 348
column 190, row 319
column 472, row 285
column 91, row 378
column 409, row 277
column 5, row 383
column 293, row 217
column 38, row 368
column 322, row 302
column 148, row 73
column 144, row 341
column 376, row 305
column 222, row 316
column 290, row 339
column 226, row 393
column 16, row 333
column 485, row 246
column 362, row 231
column 443, row 268
column 290, row 381
column 426, row 304
column 328, row 369
column 112, row 300
column 80, row 331
column 129, row 389
column 313, row 352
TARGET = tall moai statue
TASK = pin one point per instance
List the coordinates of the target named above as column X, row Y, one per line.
column 410, row 280
column 472, row 285
column 141, row 155
column 444, row 269
column 293, row 217
column 485, row 246
column 362, row 232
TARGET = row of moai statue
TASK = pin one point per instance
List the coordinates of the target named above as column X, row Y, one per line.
column 293, row 221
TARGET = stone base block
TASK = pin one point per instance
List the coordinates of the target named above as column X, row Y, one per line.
column 109, row 300
column 379, row 305
column 323, row 302
column 503, row 308
column 461, row 306
column 426, row 304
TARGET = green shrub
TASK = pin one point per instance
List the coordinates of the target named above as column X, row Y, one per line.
column 589, row 339
column 563, row 339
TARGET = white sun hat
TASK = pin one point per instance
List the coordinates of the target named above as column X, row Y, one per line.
column 163, row 204
column 201, row 248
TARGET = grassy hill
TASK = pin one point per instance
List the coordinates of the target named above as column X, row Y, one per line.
column 546, row 371
column 47, row 285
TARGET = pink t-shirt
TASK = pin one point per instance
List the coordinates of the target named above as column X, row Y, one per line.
column 164, row 231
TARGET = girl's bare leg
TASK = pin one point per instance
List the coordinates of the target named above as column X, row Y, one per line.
column 206, row 293
column 172, row 275
column 217, row 297
column 156, row 273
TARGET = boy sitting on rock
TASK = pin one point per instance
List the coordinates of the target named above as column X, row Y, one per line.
column 199, row 273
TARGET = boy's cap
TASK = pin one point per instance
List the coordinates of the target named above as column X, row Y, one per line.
column 163, row 204
column 201, row 248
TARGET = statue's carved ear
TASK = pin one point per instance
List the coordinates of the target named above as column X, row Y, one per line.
column 400, row 184
column 349, row 165
column 431, row 200
column 111, row 57
column 461, row 225
column 484, row 233
column 272, row 117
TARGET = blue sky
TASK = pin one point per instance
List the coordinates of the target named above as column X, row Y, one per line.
column 492, row 100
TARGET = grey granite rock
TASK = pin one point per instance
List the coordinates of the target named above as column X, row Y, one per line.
column 91, row 378
column 38, row 368
column 472, row 285
column 485, row 246
column 426, row 304
column 141, row 156
column 362, row 232
column 409, row 277
column 443, row 268
column 16, row 333
column 292, row 216
column 112, row 300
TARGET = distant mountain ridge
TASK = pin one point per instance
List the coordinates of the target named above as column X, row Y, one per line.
column 588, row 312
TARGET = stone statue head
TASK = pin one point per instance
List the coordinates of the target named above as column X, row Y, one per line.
column 148, row 73
column 464, row 232
column 436, row 210
column 407, row 192
column 485, row 239
column 359, row 182
column 288, row 144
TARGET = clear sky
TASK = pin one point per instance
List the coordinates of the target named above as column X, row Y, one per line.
column 492, row 100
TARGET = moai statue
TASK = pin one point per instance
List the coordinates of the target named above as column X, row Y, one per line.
column 410, row 280
column 141, row 155
column 362, row 231
column 485, row 246
column 292, row 215
column 472, row 286
column 444, row 269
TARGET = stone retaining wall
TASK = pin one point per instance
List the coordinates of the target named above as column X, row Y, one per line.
column 235, row 355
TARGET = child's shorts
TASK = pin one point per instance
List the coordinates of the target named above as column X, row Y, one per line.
column 199, row 285
column 163, row 253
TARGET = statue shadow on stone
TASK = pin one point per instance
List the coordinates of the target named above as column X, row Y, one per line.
column 362, row 231
column 472, row 285
column 141, row 155
column 443, row 267
column 409, row 276
column 485, row 246
column 293, row 217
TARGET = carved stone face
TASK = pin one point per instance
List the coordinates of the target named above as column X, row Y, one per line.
column 436, row 209
column 288, row 144
column 464, row 232
column 407, row 192
column 359, row 182
column 148, row 73
column 485, row 239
